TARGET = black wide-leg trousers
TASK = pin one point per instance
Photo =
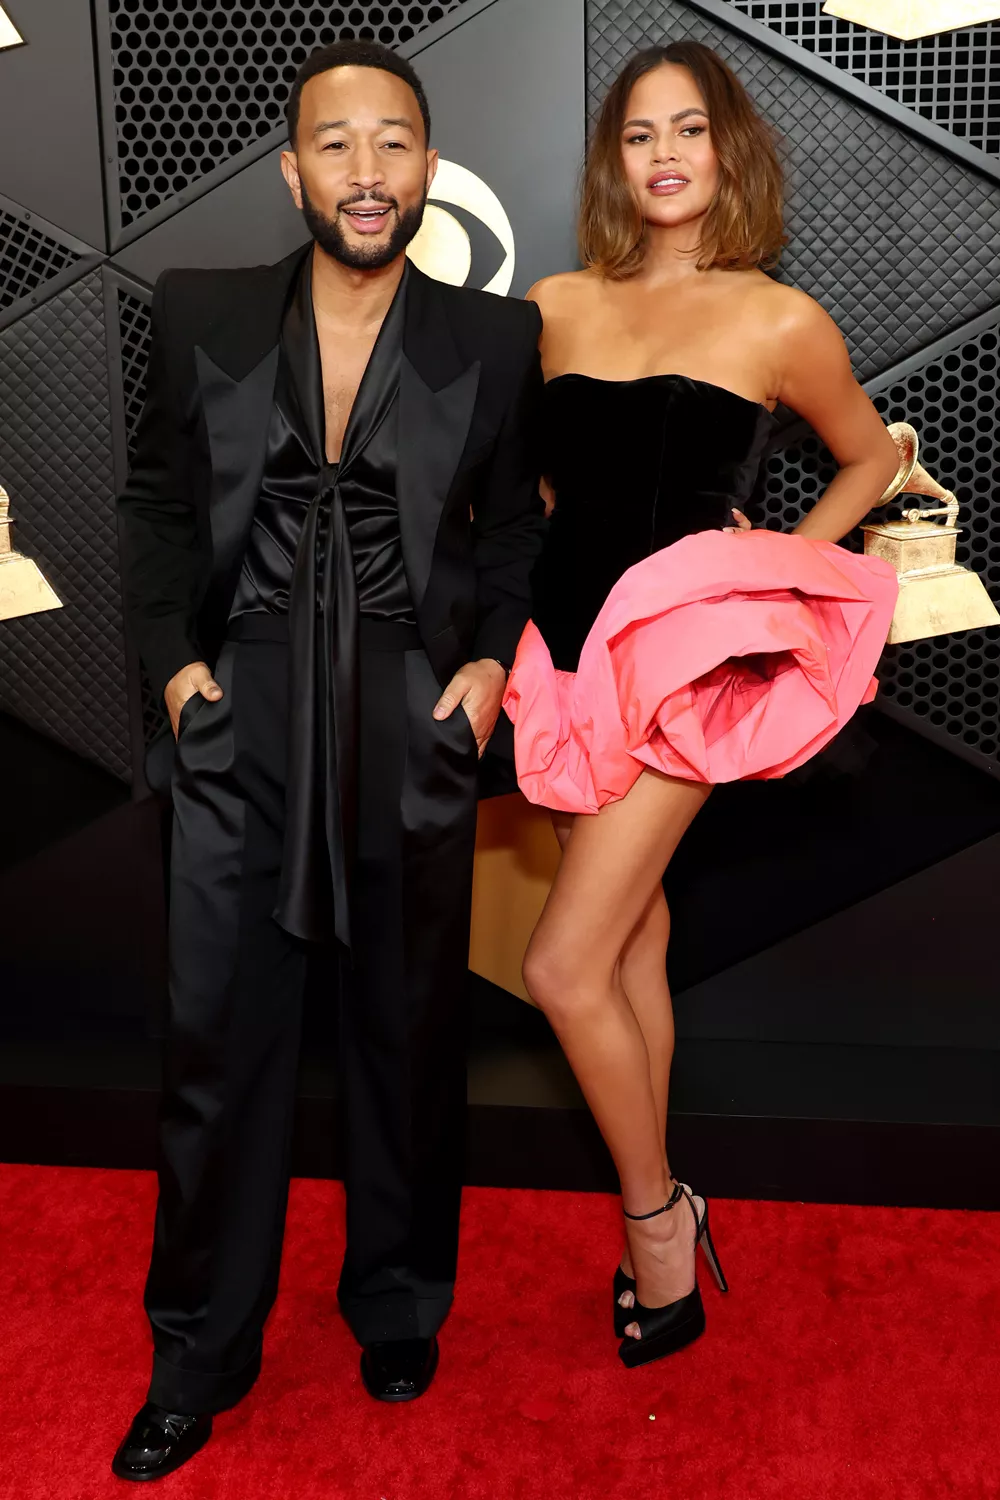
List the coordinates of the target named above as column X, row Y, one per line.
column 236, row 990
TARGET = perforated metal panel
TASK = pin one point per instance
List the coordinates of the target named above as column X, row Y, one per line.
column 28, row 258
column 197, row 82
column 952, row 79
column 898, row 242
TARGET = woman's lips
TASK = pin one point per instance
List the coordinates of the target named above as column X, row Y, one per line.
column 667, row 185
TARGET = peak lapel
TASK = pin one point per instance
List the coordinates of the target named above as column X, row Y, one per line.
column 437, row 397
column 236, row 365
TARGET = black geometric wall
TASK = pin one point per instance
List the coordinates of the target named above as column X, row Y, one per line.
column 195, row 84
column 185, row 88
column 28, row 258
column 63, row 672
column 893, row 157
column 135, row 332
column 37, row 259
column 949, row 685
column 952, row 80
column 872, row 213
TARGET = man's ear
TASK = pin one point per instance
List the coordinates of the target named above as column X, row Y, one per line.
column 290, row 172
column 432, row 166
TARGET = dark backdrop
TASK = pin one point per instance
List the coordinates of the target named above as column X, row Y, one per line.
column 855, row 904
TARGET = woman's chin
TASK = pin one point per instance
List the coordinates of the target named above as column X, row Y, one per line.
column 672, row 221
column 673, row 212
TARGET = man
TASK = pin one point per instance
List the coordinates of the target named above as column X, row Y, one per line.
column 327, row 537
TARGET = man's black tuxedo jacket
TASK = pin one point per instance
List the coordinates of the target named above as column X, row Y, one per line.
column 470, row 516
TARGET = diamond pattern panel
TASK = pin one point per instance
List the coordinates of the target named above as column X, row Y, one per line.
column 952, row 79
column 28, row 258
column 897, row 241
column 197, row 82
column 951, row 683
column 64, row 672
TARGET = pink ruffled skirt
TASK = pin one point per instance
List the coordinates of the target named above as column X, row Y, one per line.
column 721, row 658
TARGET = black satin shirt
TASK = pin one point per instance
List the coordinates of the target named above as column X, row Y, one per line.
column 325, row 548
column 290, row 480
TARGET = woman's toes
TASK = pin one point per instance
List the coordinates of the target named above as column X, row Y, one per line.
column 632, row 1331
column 626, row 1300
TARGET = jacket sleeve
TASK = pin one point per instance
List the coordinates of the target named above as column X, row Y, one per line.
column 509, row 515
column 157, row 524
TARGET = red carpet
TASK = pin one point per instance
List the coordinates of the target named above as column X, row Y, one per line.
column 857, row 1356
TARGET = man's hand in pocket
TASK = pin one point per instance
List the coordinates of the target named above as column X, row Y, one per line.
column 195, row 678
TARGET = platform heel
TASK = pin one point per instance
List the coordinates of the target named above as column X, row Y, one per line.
column 667, row 1330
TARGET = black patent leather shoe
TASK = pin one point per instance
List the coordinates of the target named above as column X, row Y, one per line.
column 158, row 1442
column 399, row 1371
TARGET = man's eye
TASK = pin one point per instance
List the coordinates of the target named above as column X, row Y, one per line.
column 333, row 146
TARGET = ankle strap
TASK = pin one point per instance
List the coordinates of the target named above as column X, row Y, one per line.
column 675, row 1197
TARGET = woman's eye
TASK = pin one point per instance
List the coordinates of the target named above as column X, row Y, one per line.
column 636, row 140
column 693, row 130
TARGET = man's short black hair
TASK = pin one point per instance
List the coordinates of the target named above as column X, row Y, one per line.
column 354, row 54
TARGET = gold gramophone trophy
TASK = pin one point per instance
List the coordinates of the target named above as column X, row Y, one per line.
column 23, row 588
column 936, row 596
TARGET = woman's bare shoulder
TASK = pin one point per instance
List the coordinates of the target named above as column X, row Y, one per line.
column 786, row 310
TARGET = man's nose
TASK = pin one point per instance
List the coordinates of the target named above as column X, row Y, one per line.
column 366, row 168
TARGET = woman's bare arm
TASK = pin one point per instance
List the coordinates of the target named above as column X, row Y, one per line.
column 816, row 382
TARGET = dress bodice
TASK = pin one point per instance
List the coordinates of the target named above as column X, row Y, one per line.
column 635, row 465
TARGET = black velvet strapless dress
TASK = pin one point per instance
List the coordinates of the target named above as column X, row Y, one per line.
column 635, row 465
column 656, row 638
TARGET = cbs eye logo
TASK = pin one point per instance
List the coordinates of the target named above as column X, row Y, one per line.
column 476, row 247
column 9, row 34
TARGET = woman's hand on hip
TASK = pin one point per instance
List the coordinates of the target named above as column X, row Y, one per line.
column 743, row 523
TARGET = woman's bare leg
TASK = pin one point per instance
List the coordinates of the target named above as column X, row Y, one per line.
column 642, row 968
column 611, row 867
column 642, row 971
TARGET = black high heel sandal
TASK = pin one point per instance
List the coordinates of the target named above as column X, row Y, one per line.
column 665, row 1330
column 623, row 1283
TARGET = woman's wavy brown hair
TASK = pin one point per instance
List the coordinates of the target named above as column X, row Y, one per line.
column 743, row 226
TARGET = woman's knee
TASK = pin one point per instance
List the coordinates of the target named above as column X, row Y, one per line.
column 554, row 977
column 542, row 973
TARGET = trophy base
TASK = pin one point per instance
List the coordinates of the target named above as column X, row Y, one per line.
column 24, row 589
column 939, row 604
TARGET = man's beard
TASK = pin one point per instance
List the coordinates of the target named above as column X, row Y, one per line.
column 330, row 237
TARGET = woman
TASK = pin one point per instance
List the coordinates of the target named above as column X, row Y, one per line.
column 670, row 646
